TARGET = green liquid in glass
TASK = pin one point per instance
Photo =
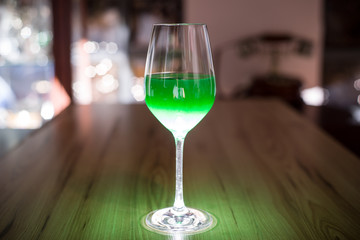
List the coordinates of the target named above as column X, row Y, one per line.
column 179, row 100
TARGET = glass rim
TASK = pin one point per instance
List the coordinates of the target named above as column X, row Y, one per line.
column 179, row 24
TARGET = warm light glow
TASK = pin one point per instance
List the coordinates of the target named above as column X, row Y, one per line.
column 101, row 69
column 107, row 84
column 90, row 71
column 138, row 92
column 80, row 91
column 47, row 110
column 5, row 47
column 24, row 120
column 90, row 47
column 315, row 96
column 17, row 23
column 25, row 32
column 82, row 83
column 42, row 86
column 107, row 62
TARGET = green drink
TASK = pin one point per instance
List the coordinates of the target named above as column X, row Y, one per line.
column 180, row 100
column 180, row 91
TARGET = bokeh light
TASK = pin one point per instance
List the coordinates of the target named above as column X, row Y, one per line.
column 315, row 96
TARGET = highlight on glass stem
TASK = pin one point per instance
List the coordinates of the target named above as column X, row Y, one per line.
column 180, row 91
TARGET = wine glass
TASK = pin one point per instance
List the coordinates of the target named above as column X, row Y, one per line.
column 180, row 91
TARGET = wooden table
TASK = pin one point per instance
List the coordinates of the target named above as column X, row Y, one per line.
column 261, row 169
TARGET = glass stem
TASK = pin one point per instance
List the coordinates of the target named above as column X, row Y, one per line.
column 179, row 205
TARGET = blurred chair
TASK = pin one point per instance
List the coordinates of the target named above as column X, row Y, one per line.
column 274, row 83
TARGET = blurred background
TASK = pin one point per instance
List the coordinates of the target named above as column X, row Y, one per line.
column 54, row 53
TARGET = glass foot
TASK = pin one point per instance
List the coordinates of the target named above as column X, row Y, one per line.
column 191, row 220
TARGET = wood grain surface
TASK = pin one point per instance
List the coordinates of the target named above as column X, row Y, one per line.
column 261, row 169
